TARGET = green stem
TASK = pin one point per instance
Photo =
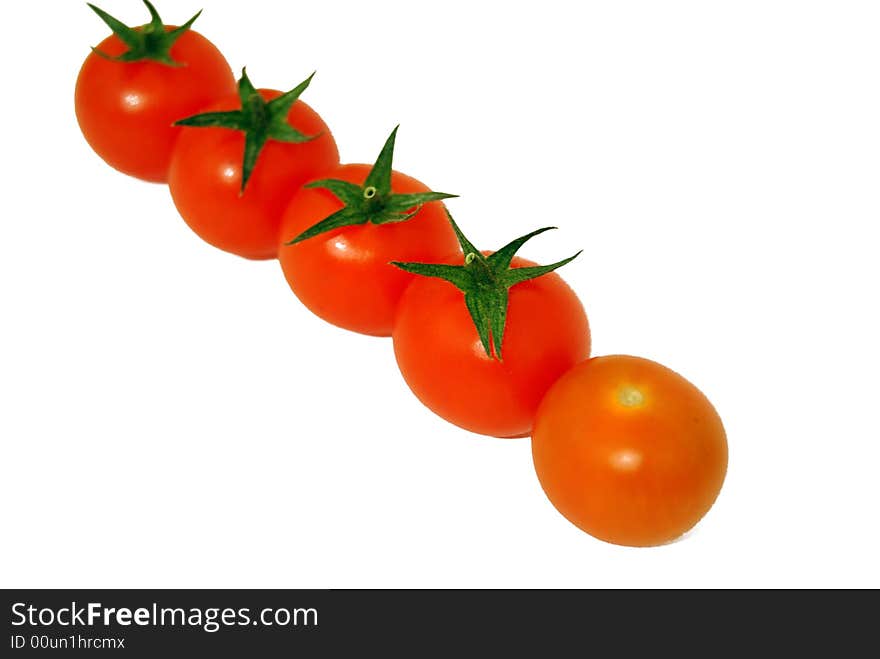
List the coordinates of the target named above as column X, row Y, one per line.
column 371, row 202
column 485, row 281
column 258, row 120
column 148, row 42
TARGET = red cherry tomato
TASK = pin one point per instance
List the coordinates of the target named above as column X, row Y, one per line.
column 126, row 109
column 629, row 451
column 344, row 276
column 206, row 171
column 443, row 361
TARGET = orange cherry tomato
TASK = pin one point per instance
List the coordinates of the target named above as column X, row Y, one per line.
column 126, row 109
column 443, row 361
column 629, row 451
column 206, row 172
column 345, row 275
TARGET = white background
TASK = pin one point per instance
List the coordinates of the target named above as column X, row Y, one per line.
column 172, row 416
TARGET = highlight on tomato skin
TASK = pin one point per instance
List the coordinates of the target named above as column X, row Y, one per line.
column 629, row 451
column 129, row 94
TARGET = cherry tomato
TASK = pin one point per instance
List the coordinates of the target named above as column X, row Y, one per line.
column 344, row 275
column 205, row 178
column 445, row 363
column 629, row 451
column 126, row 109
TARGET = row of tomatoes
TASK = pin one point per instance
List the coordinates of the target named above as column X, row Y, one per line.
column 625, row 448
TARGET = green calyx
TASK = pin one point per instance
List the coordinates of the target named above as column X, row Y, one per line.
column 371, row 202
column 148, row 42
column 485, row 281
column 258, row 120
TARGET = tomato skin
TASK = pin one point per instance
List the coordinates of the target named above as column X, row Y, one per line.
column 345, row 276
column 126, row 110
column 631, row 469
column 442, row 360
column 205, row 179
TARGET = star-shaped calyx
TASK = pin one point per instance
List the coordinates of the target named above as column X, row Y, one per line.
column 260, row 121
column 148, row 42
column 371, row 202
column 485, row 281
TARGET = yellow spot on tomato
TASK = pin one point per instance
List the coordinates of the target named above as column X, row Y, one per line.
column 630, row 397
